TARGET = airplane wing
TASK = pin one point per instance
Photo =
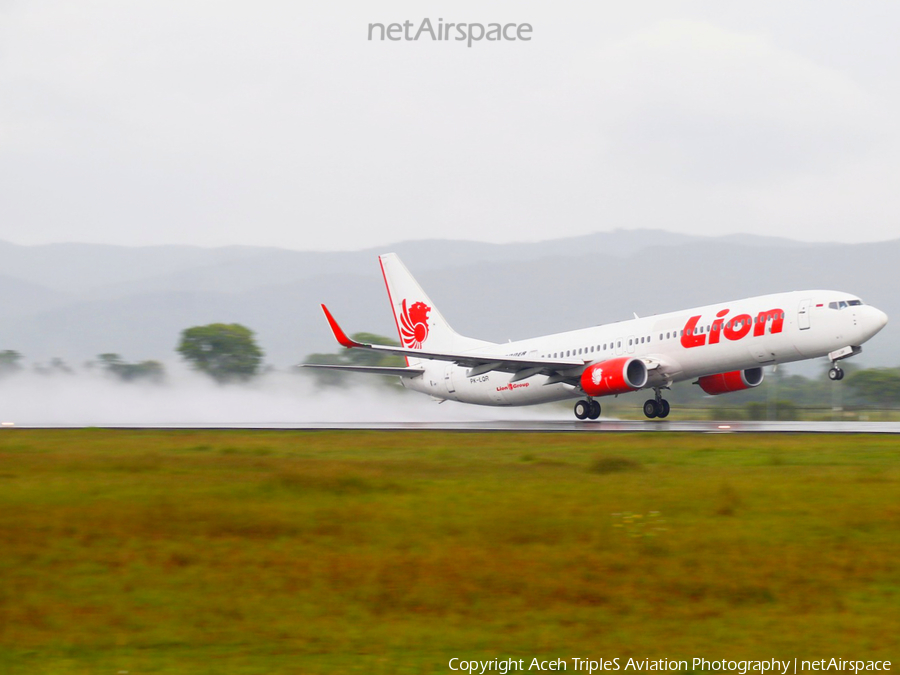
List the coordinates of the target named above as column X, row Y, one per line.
column 662, row 368
column 377, row 370
column 478, row 364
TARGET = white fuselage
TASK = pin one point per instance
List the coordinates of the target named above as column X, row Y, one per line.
column 677, row 346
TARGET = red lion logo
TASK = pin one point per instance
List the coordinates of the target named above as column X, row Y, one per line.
column 414, row 325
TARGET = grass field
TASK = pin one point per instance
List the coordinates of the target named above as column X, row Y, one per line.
column 378, row 552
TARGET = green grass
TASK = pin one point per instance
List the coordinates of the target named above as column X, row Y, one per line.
column 378, row 552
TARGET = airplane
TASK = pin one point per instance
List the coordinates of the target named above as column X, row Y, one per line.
column 722, row 347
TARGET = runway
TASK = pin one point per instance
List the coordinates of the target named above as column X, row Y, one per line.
column 602, row 426
column 544, row 426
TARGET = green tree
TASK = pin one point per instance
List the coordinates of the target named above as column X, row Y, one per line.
column 9, row 362
column 786, row 410
column 55, row 367
column 364, row 357
column 756, row 410
column 355, row 357
column 226, row 352
column 144, row 370
column 880, row 386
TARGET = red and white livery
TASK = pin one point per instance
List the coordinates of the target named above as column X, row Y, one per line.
column 723, row 347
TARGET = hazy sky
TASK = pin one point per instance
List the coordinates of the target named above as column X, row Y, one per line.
column 279, row 123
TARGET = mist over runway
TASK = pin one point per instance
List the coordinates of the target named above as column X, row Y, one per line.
column 279, row 400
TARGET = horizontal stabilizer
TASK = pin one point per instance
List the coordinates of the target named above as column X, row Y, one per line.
column 376, row 370
column 478, row 362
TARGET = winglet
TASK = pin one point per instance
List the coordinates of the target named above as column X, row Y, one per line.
column 339, row 334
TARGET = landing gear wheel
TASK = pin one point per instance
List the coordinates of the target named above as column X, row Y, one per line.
column 835, row 374
column 651, row 409
column 595, row 410
column 663, row 408
column 582, row 409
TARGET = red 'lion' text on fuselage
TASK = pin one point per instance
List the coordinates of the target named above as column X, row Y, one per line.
column 734, row 329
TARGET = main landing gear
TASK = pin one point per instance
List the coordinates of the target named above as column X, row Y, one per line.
column 656, row 407
column 587, row 409
column 835, row 373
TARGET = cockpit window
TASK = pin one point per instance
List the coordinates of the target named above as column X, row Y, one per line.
column 843, row 304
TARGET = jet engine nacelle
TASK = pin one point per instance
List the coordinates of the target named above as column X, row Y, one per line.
column 736, row 380
column 615, row 376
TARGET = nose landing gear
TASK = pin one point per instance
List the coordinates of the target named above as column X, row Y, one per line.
column 656, row 407
column 835, row 373
column 587, row 409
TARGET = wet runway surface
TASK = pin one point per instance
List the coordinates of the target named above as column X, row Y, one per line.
column 601, row 426
column 573, row 426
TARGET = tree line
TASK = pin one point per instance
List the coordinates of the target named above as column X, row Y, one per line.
column 224, row 352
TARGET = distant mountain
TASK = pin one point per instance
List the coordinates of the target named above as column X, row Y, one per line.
column 100, row 270
column 79, row 300
column 18, row 296
column 80, row 267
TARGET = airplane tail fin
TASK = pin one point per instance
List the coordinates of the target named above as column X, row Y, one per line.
column 420, row 323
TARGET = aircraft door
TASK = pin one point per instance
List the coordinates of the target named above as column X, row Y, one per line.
column 448, row 379
column 631, row 342
column 620, row 346
column 803, row 315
